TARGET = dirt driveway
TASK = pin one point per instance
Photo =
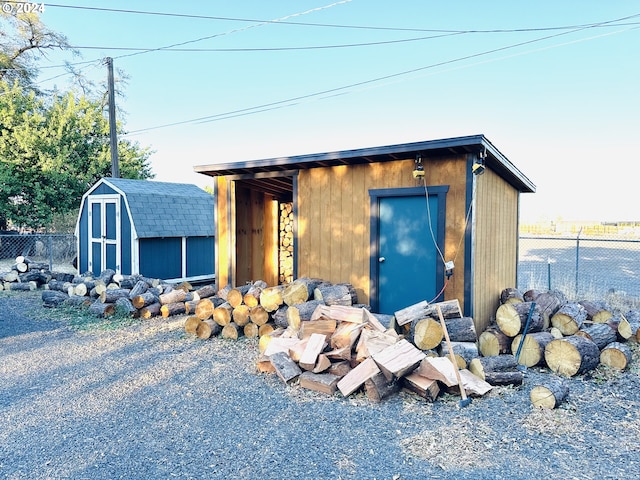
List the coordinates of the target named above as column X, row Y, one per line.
column 147, row 401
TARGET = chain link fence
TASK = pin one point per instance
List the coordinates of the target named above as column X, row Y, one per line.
column 593, row 268
column 57, row 250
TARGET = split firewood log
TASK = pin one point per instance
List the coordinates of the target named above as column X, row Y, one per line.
column 597, row 311
column 550, row 394
column 315, row 344
column 378, row 387
column 511, row 295
column 353, row 380
column 569, row 318
column 571, row 355
column 325, row 326
column 398, row 359
column 600, row 333
column 532, row 351
column 616, row 355
column 511, row 318
column 320, row 382
column 424, row 387
column 493, row 342
column 285, row 368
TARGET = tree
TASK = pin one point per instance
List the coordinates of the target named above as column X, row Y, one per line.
column 23, row 37
column 53, row 147
column 52, row 151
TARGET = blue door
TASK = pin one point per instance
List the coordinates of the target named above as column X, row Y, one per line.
column 409, row 232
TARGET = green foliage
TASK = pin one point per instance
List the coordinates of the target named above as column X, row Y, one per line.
column 52, row 149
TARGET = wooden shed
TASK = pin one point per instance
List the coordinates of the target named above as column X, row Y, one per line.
column 369, row 218
column 156, row 229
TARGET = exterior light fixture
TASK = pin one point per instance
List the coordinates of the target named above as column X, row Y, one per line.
column 478, row 164
column 418, row 171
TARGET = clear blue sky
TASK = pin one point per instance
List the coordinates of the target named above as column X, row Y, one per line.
column 562, row 104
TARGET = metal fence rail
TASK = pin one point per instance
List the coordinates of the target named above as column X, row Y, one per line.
column 581, row 267
column 58, row 250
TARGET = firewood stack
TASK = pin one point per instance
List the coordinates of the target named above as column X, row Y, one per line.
column 25, row 275
column 568, row 338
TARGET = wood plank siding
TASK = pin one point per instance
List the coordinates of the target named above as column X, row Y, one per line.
column 496, row 244
column 334, row 218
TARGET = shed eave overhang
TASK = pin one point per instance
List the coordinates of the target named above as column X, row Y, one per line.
column 430, row 148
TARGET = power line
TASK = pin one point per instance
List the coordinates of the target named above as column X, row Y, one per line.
column 332, row 91
column 309, row 24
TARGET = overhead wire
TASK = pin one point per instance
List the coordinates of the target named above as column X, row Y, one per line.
column 277, row 104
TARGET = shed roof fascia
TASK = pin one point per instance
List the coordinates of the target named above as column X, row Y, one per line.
column 457, row 145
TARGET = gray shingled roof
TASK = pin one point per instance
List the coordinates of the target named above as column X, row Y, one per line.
column 162, row 209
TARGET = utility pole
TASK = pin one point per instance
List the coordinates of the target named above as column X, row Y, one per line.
column 115, row 168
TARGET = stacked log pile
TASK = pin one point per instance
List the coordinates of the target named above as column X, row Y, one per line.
column 567, row 337
column 26, row 275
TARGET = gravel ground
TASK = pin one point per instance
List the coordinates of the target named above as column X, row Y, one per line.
column 147, row 401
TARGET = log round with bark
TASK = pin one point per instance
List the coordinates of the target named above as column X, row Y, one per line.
column 600, row 333
column 207, row 328
column 191, row 324
column 597, row 311
column 151, row 310
column 616, row 355
column 505, row 377
column 250, row 330
column 550, row 394
column 252, row 297
column 240, row 315
column 426, row 333
column 171, row 309
column 532, row 351
column 231, row 331
column 53, row 298
column 271, row 298
column 549, row 302
column 499, row 363
column 629, row 326
column 338, row 294
column 259, row 315
column 102, row 310
column 206, row 291
column 569, row 318
column 204, row 309
column 110, row 295
column 463, row 352
column 174, row 296
column 571, row 355
column 493, row 342
column 223, row 314
column 511, row 295
column 461, row 329
column 144, row 299
column 511, row 318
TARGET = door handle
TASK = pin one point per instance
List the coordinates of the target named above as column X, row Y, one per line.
column 381, row 259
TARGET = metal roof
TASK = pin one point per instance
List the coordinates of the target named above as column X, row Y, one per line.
column 260, row 171
column 162, row 209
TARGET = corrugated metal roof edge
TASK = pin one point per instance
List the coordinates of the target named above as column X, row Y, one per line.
column 468, row 144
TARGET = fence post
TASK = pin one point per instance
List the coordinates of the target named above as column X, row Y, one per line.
column 577, row 259
column 50, row 253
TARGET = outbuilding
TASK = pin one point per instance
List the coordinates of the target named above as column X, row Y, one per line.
column 156, row 229
column 432, row 220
